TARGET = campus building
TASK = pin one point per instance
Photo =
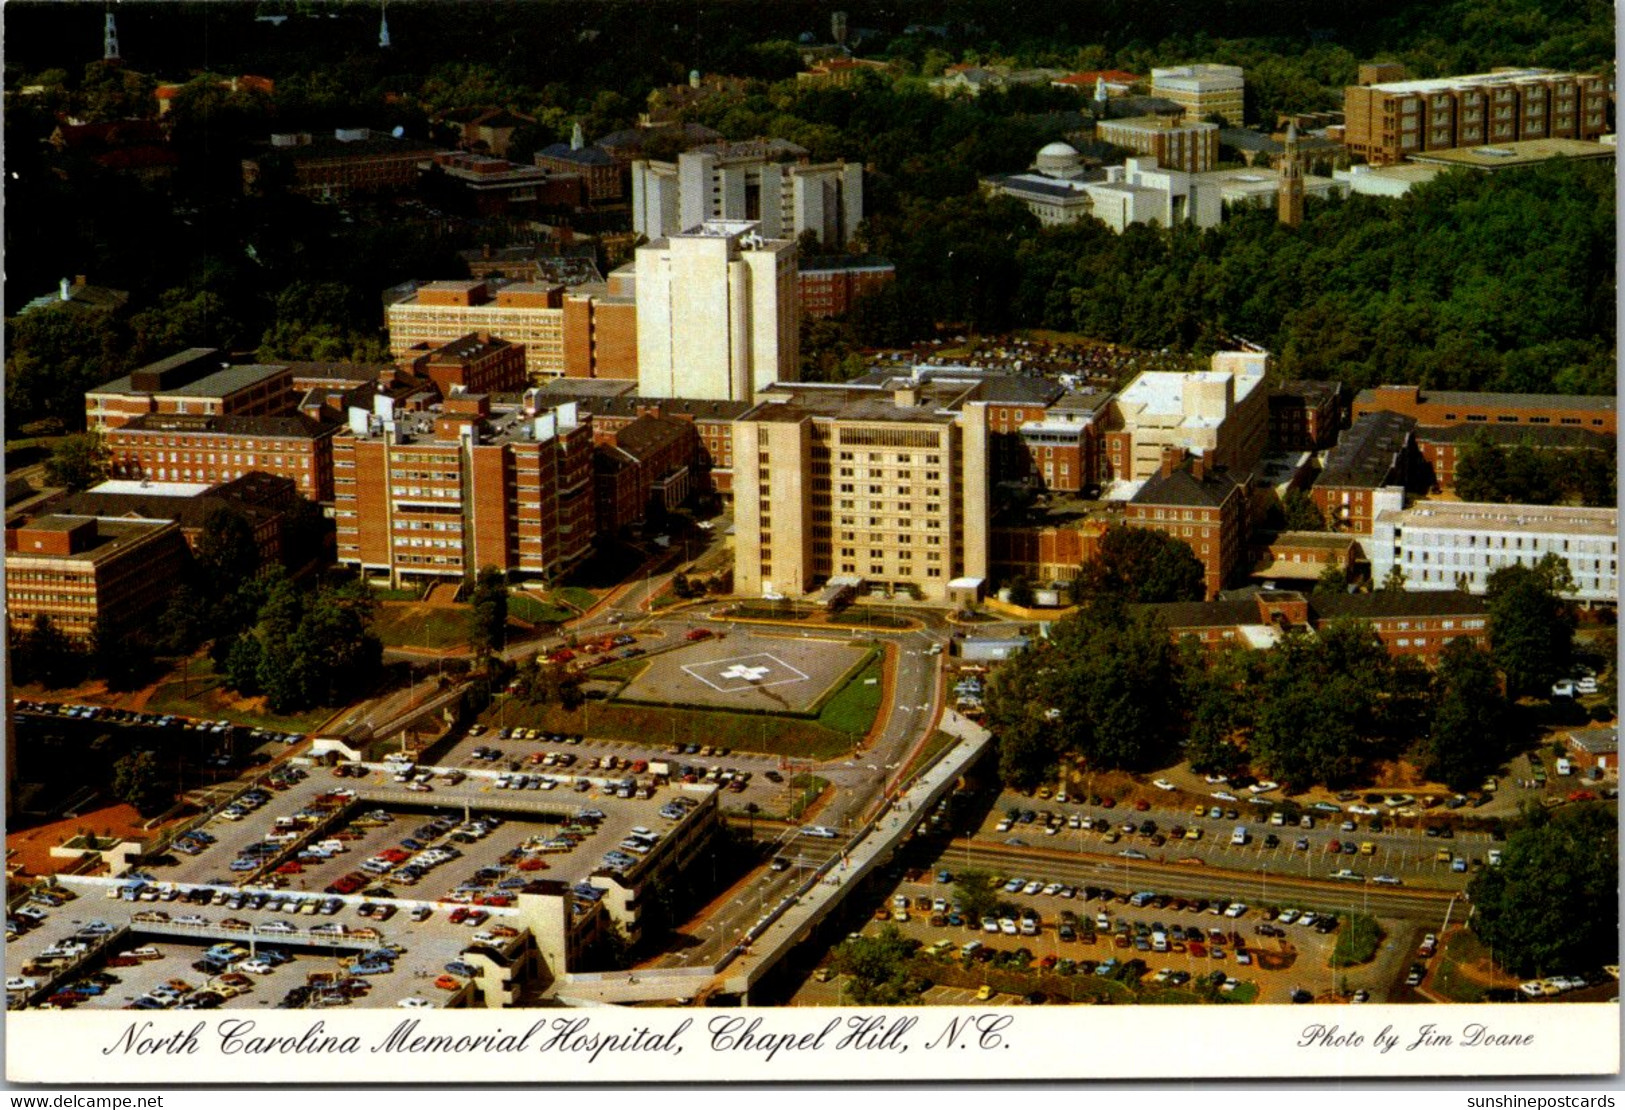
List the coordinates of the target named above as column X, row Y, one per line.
column 768, row 181
column 890, row 485
column 215, row 449
column 354, row 160
column 1377, row 452
column 1198, row 503
column 1191, row 144
column 1386, row 122
column 1444, row 408
column 1444, row 545
column 1203, row 90
column 197, row 381
column 717, row 313
column 444, row 494
column 830, row 285
column 82, row 571
column 1221, row 413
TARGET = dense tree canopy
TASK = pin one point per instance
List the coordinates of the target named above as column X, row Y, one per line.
column 488, row 612
column 878, row 967
column 1467, row 735
column 1103, row 687
column 1531, row 626
column 1527, row 475
column 1537, row 910
column 1140, row 565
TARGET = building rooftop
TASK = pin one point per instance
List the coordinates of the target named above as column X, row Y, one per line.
column 1367, row 454
column 1332, row 605
column 1596, row 741
column 229, row 379
column 296, row 425
column 584, row 156
column 1155, row 123
column 1472, row 80
column 836, row 262
column 112, row 535
column 648, row 435
column 1310, row 393
column 1482, row 517
column 1203, row 614
column 1503, row 156
column 1515, row 401
column 795, row 402
column 1183, row 488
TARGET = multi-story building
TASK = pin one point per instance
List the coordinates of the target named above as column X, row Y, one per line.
column 354, row 160
column 768, row 181
column 598, row 170
column 1064, row 446
column 215, row 449
column 1203, row 90
column 1386, row 122
column 474, row 363
column 718, row 313
column 1441, row 447
column 1221, row 413
column 830, row 285
column 711, row 465
column 484, row 185
column 642, row 466
column 582, row 334
column 887, row 485
column 1201, row 505
column 1047, row 550
column 1444, row 545
column 195, row 382
column 262, row 500
column 81, row 570
column 1303, row 556
column 1443, row 408
column 446, row 494
column 1376, row 452
column 1304, row 415
column 1190, row 145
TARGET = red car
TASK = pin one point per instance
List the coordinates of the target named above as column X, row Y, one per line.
column 1582, row 796
column 699, row 634
column 459, row 915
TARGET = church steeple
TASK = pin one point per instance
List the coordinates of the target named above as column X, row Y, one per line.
column 110, row 40
column 383, row 27
column 1289, row 198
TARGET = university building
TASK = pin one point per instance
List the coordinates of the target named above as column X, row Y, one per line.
column 1386, row 122
column 81, row 570
column 1445, row 408
column 197, row 381
column 444, row 493
column 215, row 449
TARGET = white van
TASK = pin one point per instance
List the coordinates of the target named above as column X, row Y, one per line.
column 1239, row 836
column 1564, row 767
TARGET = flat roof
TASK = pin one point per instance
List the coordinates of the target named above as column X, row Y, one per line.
column 1481, row 517
column 151, row 489
column 1474, row 80
column 1500, row 156
column 113, row 535
column 1466, row 400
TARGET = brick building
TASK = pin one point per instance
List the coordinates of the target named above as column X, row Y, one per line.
column 1304, row 556
column 1204, row 507
column 195, row 381
column 443, row 495
column 1385, row 122
column 1594, row 750
column 262, row 500
column 1203, row 90
column 587, row 332
column 710, row 466
column 601, row 173
column 1190, row 145
column 80, row 570
column 1044, row 551
column 474, row 363
column 354, row 160
column 1418, row 625
column 215, row 449
column 1444, row 408
column 1377, row 451
column 830, row 285
column 1304, row 416
column 642, row 469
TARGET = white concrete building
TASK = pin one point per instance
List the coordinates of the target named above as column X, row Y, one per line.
column 767, row 181
column 1221, row 414
column 1385, row 181
column 1446, row 545
column 719, row 318
column 1140, row 191
column 1203, row 90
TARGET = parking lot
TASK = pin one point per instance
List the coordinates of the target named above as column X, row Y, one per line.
column 1300, row 847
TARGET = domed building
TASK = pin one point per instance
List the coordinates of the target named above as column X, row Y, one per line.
column 1058, row 159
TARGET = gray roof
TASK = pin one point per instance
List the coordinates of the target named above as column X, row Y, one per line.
column 1309, row 392
column 1573, row 402
column 1396, row 603
column 1203, row 614
column 1367, row 455
column 294, row 426
column 586, row 156
column 1182, row 488
column 1596, row 741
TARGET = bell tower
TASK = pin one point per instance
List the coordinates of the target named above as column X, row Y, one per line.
column 1289, row 198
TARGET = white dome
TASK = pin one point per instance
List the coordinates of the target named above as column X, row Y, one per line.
column 1058, row 160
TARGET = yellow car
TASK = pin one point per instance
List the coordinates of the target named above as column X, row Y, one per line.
column 1193, row 833
column 984, row 992
column 1368, row 849
column 1443, row 855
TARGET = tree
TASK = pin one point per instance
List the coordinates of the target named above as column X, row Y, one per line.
column 182, row 626
column 226, row 553
column 879, row 968
column 1216, row 688
column 1333, row 579
column 1104, row 686
column 1021, row 591
column 78, row 462
column 974, row 892
column 139, row 781
column 122, row 658
column 1141, row 565
column 1537, row 911
column 1302, row 514
column 47, row 655
column 1466, row 736
column 488, row 612
column 1531, row 626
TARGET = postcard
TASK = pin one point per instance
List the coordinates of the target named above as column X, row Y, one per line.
column 670, row 543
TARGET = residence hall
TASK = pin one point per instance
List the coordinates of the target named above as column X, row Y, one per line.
column 1191, row 500
column 1377, row 451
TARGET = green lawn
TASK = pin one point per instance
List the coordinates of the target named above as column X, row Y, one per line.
column 532, row 611
column 622, row 669
column 852, row 708
column 421, row 626
column 799, row 738
column 1357, row 941
column 1451, row 979
column 202, row 695
column 578, row 596
column 808, row 788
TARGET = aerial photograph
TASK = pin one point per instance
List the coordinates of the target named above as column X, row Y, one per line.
column 936, row 503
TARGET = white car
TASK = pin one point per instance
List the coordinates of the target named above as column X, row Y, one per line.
column 258, row 966
column 18, row 983
column 1236, row 910
column 1164, row 784
column 1053, row 889
column 1264, row 787
column 1033, row 887
column 415, row 1003
column 276, row 927
column 1224, row 796
column 1008, row 927
column 191, row 919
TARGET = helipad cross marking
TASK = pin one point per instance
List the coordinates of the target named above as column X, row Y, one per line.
column 744, row 672
column 749, row 674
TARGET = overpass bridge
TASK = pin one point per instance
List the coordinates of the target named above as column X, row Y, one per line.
column 794, row 918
